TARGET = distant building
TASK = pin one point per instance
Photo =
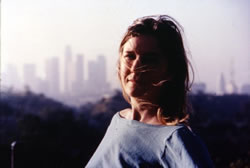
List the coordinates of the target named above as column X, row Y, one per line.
column 231, row 88
column 222, row 85
column 10, row 78
column 53, row 77
column 93, row 80
column 97, row 77
column 245, row 89
column 42, row 86
column 102, row 65
column 30, row 76
column 68, row 70
column 198, row 88
column 78, row 84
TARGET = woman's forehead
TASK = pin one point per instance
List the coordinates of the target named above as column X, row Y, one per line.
column 142, row 44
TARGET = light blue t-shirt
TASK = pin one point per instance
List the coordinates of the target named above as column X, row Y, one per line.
column 133, row 144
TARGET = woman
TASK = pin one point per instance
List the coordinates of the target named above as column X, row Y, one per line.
column 153, row 71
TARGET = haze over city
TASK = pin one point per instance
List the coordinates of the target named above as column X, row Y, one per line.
column 217, row 34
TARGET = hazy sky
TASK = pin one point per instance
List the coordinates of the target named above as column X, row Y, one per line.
column 217, row 32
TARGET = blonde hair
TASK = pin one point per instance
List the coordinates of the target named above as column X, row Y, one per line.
column 173, row 106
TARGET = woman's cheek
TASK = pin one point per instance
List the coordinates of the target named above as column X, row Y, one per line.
column 123, row 75
column 124, row 71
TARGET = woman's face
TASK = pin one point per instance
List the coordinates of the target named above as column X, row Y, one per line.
column 142, row 67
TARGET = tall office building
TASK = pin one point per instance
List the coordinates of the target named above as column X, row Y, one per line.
column 52, row 76
column 68, row 70
column 222, row 85
column 231, row 87
column 79, row 69
column 245, row 89
column 78, row 83
column 92, row 76
column 248, row 75
column 10, row 78
column 30, row 77
column 198, row 88
column 101, row 63
column 97, row 77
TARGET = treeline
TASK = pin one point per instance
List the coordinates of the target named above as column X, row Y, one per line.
column 50, row 134
column 223, row 122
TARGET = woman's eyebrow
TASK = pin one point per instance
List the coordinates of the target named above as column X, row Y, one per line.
column 150, row 53
column 129, row 52
column 145, row 53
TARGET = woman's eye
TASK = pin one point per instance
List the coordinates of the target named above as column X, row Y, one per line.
column 129, row 57
column 150, row 60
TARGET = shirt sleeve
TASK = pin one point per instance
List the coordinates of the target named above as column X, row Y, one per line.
column 184, row 149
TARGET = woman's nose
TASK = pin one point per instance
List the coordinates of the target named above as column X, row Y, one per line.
column 136, row 65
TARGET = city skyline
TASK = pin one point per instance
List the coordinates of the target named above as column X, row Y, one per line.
column 64, row 78
column 33, row 32
column 81, row 77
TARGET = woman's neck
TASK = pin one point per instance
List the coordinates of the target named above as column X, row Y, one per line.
column 142, row 111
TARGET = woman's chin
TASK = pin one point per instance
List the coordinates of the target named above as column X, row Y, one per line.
column 135, row 92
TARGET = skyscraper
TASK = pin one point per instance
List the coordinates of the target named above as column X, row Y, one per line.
column 30, row 77
column 68, row 70
column 52, row 76
column 222, row 86
column 231, row 87
column 101, row 65
column 79, row 69
column 78, row 83
column 245, row 89
column 198, row 88
column 97, row 81
column 11, row 77
column 92, row 76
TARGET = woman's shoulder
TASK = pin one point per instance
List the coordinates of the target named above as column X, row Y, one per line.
column 183, row 132
column 120, row 115
column 124, row 113
column 188, row 147
column 183, row 136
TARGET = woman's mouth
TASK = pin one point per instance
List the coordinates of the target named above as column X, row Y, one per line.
column 133, row 78
column 132, row 81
